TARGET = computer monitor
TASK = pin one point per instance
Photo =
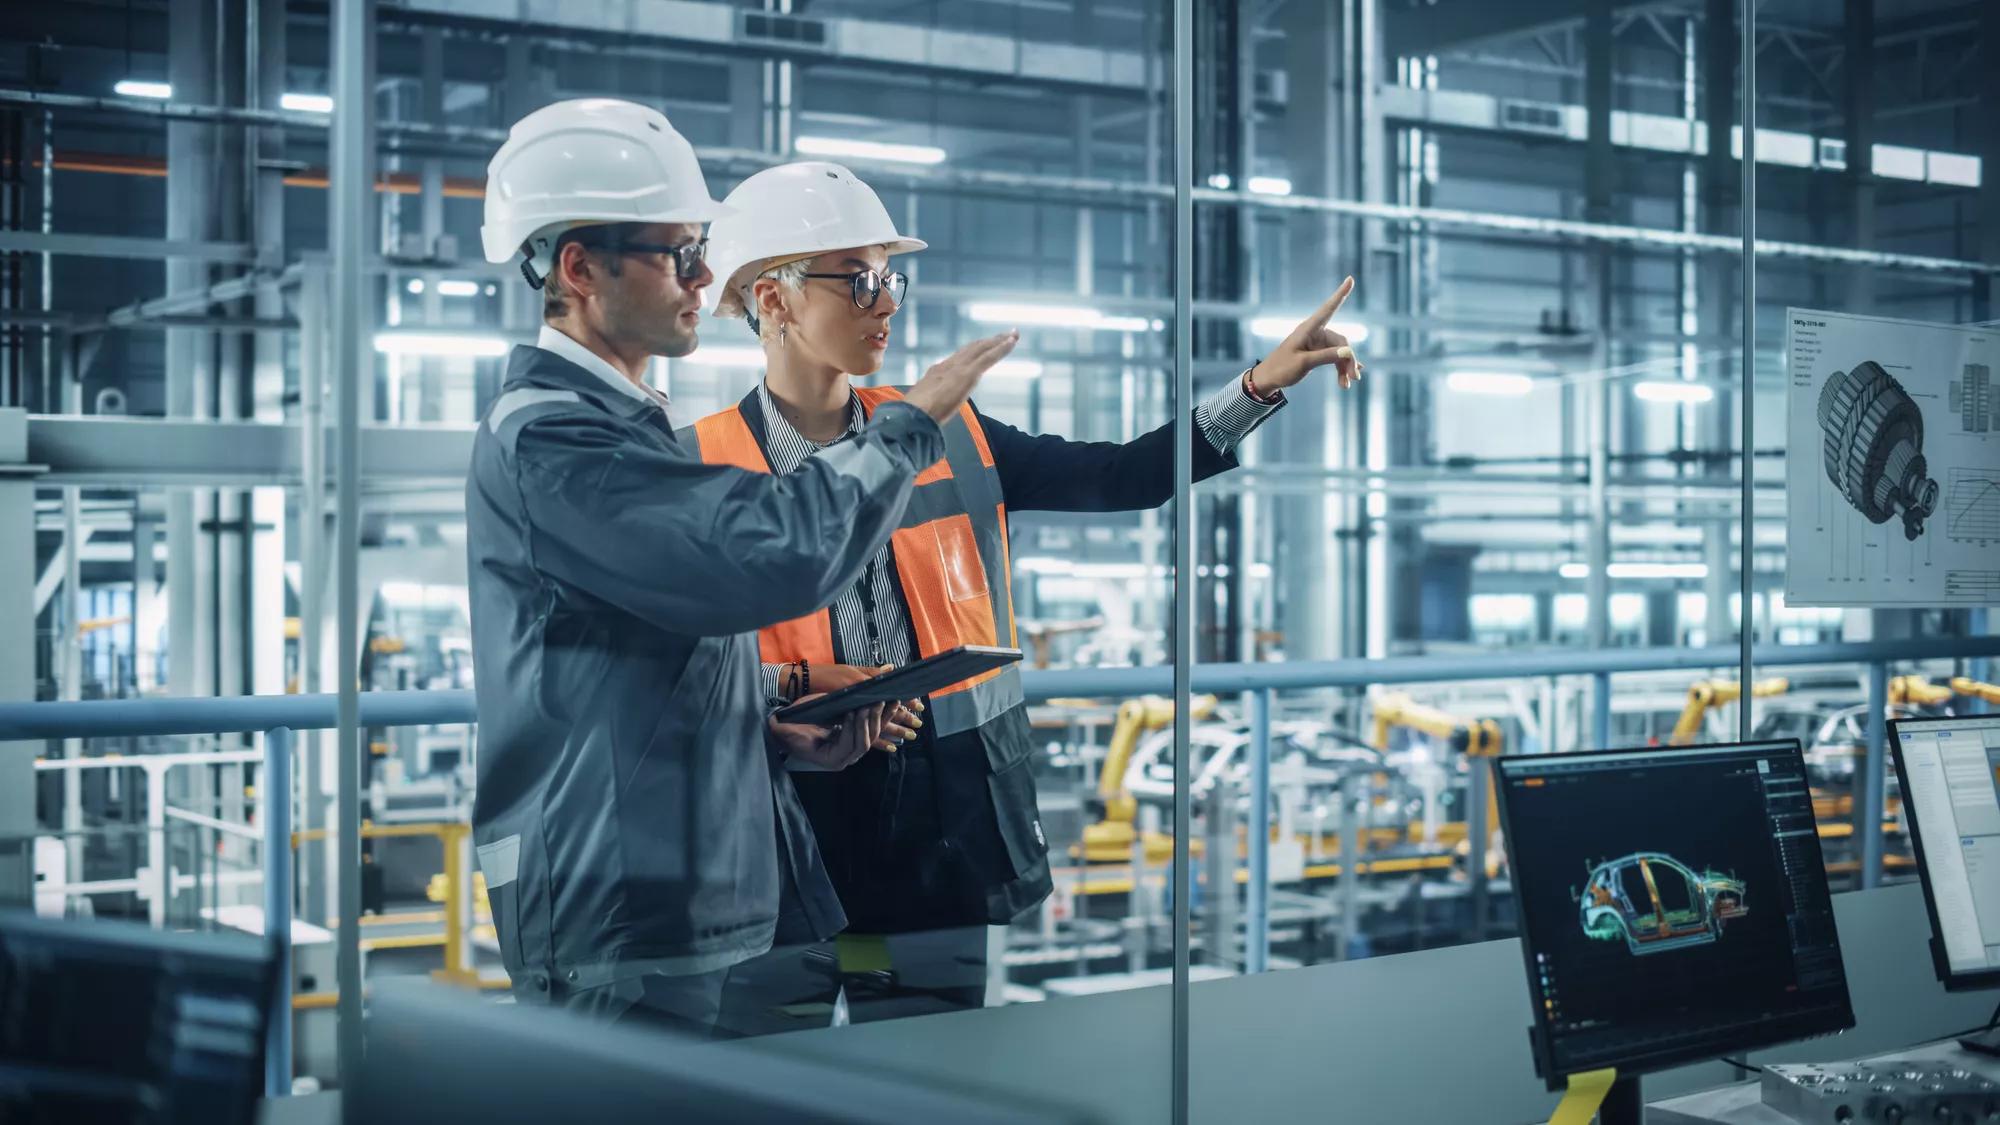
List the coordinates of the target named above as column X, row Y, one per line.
column 1673, row 905
column 1946, row 770
column 112, row 1021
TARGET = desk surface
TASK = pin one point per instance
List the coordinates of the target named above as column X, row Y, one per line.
column 1436, row 1036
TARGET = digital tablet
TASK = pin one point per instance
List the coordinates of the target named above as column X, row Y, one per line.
column 908, row 682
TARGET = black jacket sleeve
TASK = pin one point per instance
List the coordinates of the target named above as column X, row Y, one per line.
column 1046, row 473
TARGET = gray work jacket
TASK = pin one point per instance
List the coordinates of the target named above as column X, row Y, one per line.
column 629, row 816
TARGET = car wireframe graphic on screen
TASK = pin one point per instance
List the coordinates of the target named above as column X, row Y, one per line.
column 1654, row 903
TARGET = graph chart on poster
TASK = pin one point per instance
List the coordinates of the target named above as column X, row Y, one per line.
column 1892, row 467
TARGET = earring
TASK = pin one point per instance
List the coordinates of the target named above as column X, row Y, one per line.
column 782, row 330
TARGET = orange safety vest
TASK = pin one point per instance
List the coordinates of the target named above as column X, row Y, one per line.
column 950, row 552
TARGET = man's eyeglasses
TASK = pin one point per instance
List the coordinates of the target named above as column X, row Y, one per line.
column 867, row 285
column 687, row 256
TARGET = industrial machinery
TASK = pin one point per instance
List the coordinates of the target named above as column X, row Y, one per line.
column 1874, row 447
column 1918, row 1090
column 1110, row 839
column 1966, row 686
column 1705, row 695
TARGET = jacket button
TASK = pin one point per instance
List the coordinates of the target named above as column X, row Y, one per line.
column 572, row 976
column 541, row 982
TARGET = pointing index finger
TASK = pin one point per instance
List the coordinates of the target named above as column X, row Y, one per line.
column 1333, row 303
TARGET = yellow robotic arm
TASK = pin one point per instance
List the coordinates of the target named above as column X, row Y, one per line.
column 1706, row 694
column 1480, row 738
column 1964, row 686
column 1112, row 836
column 1918, row 691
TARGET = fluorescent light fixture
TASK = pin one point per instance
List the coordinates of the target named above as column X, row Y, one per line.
column 1270, row 185
column 869, row 150
column 1954, row 168
column 306, row 103
column 726, row 357
column 1055, row 316
column 439, row 344
column 1219, row 181
column 1279, row 327
column 1674, row 392
column 134, row 88
column 458, row 287
column 1638, row 570
column 1509, row 384
column 1897, row 162
column 1016, row 369
column 415, row 287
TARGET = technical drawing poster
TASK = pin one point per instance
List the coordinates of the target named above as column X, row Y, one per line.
column 1892, row 465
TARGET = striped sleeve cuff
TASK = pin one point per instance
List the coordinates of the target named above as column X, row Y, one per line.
column 1230, row 414
column 768, row 677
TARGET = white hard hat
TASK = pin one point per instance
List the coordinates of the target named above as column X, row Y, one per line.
column 790, row 212
column 584, row 161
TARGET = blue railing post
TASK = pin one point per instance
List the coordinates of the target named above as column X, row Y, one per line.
column 1600, row 712
column 1868, row 818
column 1257, row 905
column 275, row 804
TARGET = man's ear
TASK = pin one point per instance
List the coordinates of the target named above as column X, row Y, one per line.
column 575, row 269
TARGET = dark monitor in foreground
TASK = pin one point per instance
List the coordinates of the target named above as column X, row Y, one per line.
column 1673, row 905
column 434, row 1054
column 1946, row 768
column 109, row 1021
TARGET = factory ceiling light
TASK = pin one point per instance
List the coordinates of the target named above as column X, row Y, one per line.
column 139, row 88
column 869, row 150
column 1674, row 392
column 306, row 103
column 1509, row 384
column 1638, row 570
column 439, row 344
column 1270, row 185
column 1056, row 316
column 1280, row 326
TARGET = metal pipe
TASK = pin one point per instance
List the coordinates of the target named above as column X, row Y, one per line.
column 1600, row 711
column 134, row 717
column 1746, row 623
column 274, row 794
column 348, row 228
column 1257, row 898
column 156, row 844
column 1044, row 186
column 1182, row 404
column 1868, row 818
column 313, row 297
column 1478, row 769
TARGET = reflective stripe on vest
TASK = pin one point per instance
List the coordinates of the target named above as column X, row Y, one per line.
column 951, row 546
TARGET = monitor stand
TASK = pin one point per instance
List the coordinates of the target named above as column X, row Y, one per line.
column 1623, row 1104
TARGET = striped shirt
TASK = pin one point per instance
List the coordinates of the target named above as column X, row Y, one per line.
column 885, row 636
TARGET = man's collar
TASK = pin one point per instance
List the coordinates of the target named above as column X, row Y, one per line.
column 553, row 339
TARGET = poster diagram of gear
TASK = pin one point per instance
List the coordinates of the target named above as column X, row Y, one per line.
column 1874, row 444
column 1893, row 462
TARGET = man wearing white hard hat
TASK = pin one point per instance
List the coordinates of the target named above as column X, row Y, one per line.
column 635, row 823
column 929, row 846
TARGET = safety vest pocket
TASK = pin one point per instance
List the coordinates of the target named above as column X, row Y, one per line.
column 958, row 559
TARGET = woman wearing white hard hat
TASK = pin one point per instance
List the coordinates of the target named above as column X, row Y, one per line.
column 642, row 853
column 931, row 845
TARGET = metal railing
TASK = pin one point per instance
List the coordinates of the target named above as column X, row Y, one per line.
column 279, row 716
